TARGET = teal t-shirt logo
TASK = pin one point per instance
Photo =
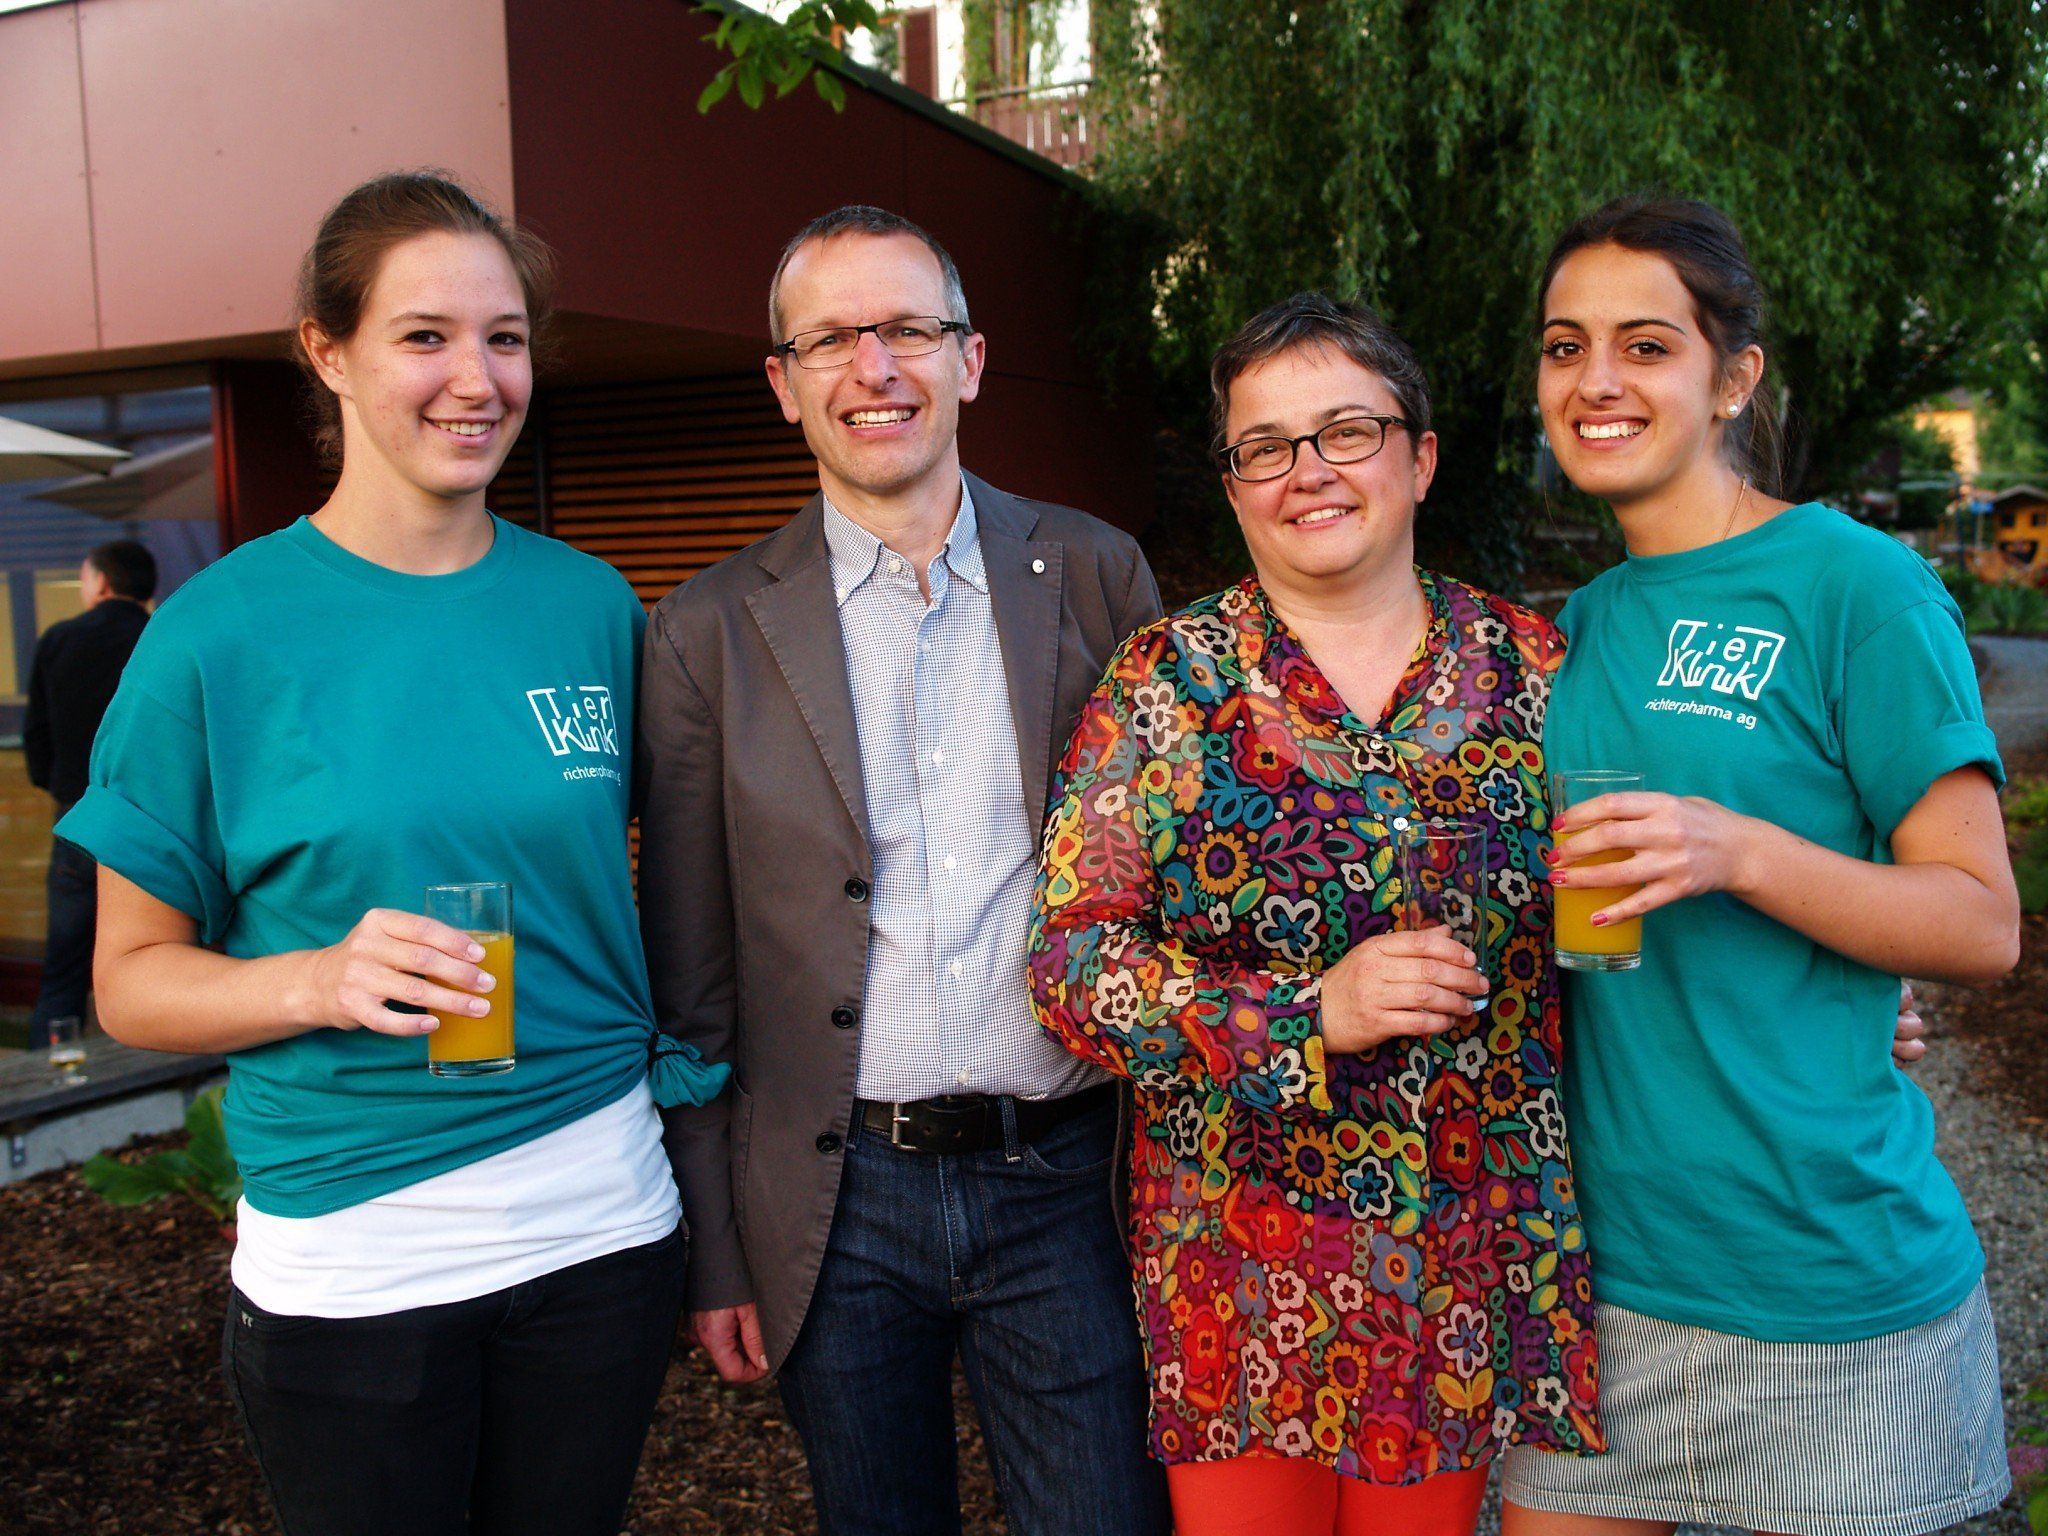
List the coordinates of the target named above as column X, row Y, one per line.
column 576, row 718
column 1725, row 658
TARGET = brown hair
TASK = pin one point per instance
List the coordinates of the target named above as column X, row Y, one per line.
column 1706, row 251
column 346, row 255
column 1317, row 320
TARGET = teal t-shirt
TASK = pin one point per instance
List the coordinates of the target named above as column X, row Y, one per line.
column 1749, row 1157
column 303, row 735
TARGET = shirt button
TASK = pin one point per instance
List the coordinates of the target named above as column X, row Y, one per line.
column 856, row 889
column 844, row 1017
column 965, row 1079
column 951, row 862
column 895, row 567
column 956, row 970
column 1038, row 567
column 938, row 758
column 828, row 1143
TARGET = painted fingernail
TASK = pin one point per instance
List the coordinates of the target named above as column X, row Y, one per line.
column 1599, row 919
column 1478, row 1003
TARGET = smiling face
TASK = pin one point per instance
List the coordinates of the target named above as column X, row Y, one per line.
column 881, row 426
column 435, row 382
column 1634, row 394
column 1321, row 525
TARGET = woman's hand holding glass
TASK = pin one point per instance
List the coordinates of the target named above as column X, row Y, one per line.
column 397, row 957
column 1676, row 846
column 1419, row 982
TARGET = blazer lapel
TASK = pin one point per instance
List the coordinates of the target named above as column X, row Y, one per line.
column 798, row 616
column 1026, row 589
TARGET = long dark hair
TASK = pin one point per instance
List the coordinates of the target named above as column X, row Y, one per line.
column 1706, row 250
column 342, row 265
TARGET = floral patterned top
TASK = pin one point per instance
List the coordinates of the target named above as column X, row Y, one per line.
column 1374, row 1260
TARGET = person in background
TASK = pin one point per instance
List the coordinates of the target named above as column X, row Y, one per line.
column 1793, row 1326
column 453, row 1299
column 77, row 664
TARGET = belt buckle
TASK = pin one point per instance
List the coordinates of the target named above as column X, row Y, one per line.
column 897, row 1120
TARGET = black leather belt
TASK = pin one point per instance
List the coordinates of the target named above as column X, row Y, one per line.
column 972, row 1122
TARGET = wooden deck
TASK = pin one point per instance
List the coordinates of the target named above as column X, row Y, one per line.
column 32, row 1090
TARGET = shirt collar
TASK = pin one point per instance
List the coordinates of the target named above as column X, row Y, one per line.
column 855, row 553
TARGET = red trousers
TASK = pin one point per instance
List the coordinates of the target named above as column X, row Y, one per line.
column 1287, row 1496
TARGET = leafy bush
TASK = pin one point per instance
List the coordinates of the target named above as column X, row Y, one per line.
column 203, row 1170
column 2026, row 803
column 2001, row 609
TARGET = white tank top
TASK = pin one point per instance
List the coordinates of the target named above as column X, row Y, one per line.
column 594, row 1186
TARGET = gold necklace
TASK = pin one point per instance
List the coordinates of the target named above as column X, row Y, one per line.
column 1741, row 495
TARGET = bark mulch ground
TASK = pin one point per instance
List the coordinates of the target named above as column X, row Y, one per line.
column 113, row 1421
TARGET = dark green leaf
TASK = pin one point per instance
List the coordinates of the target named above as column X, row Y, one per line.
column 830, row 90
column 715, row 91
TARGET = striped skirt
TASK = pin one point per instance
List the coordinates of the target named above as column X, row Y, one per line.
column 1891, row 1436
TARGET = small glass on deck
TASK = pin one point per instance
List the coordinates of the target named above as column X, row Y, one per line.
column 464, row 1046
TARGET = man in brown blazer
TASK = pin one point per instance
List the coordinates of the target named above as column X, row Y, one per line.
column 849, row 731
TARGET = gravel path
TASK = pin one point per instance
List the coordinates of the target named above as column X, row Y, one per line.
column 2013, row 673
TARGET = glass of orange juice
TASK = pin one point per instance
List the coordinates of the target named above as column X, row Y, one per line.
column 1581, row 946
column 463, row 1046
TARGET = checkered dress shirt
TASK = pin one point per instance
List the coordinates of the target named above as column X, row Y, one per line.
column 946, row 1007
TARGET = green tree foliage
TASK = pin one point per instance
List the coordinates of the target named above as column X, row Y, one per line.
column 1882, row 159
column 2014, row 436
column 779, row 53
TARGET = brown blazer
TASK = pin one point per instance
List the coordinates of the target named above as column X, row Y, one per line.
column 754, row 862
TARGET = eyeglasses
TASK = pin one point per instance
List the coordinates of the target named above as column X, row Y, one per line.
column 1342, row 442
column 912, row 336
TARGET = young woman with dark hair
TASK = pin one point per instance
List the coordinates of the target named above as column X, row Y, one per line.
column 1793, row 1328
column 453, row 1297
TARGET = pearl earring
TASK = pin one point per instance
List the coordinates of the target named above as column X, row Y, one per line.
column 1735, row 410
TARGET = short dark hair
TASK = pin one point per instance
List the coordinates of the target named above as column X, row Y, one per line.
column 1705, row 249
column 341, row 267
column 129, row 568
column 1317, row 320
column 863, row 219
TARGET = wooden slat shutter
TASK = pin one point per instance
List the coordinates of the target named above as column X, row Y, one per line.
column 661, row 479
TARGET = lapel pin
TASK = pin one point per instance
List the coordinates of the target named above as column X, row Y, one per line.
column 1038, row 567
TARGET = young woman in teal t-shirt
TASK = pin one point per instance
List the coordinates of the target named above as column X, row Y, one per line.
column 1793, row 1327
column 453, row 1297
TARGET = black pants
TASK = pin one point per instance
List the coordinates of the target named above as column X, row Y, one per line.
column 520, row 1413
column 73, row 886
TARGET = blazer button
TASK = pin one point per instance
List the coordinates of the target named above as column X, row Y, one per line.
column 828, row 1143
column 844, row 1017
column 856, row 889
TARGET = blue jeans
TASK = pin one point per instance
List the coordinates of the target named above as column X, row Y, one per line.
column 1013, row 1259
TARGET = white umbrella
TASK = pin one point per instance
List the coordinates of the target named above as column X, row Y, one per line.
column 36, row 453
column 174, row 483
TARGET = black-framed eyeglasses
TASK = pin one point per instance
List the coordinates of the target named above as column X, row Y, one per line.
column 1345, row 441
column 833, row 347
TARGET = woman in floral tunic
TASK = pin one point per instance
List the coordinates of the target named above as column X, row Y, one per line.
column 1359, row 1255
